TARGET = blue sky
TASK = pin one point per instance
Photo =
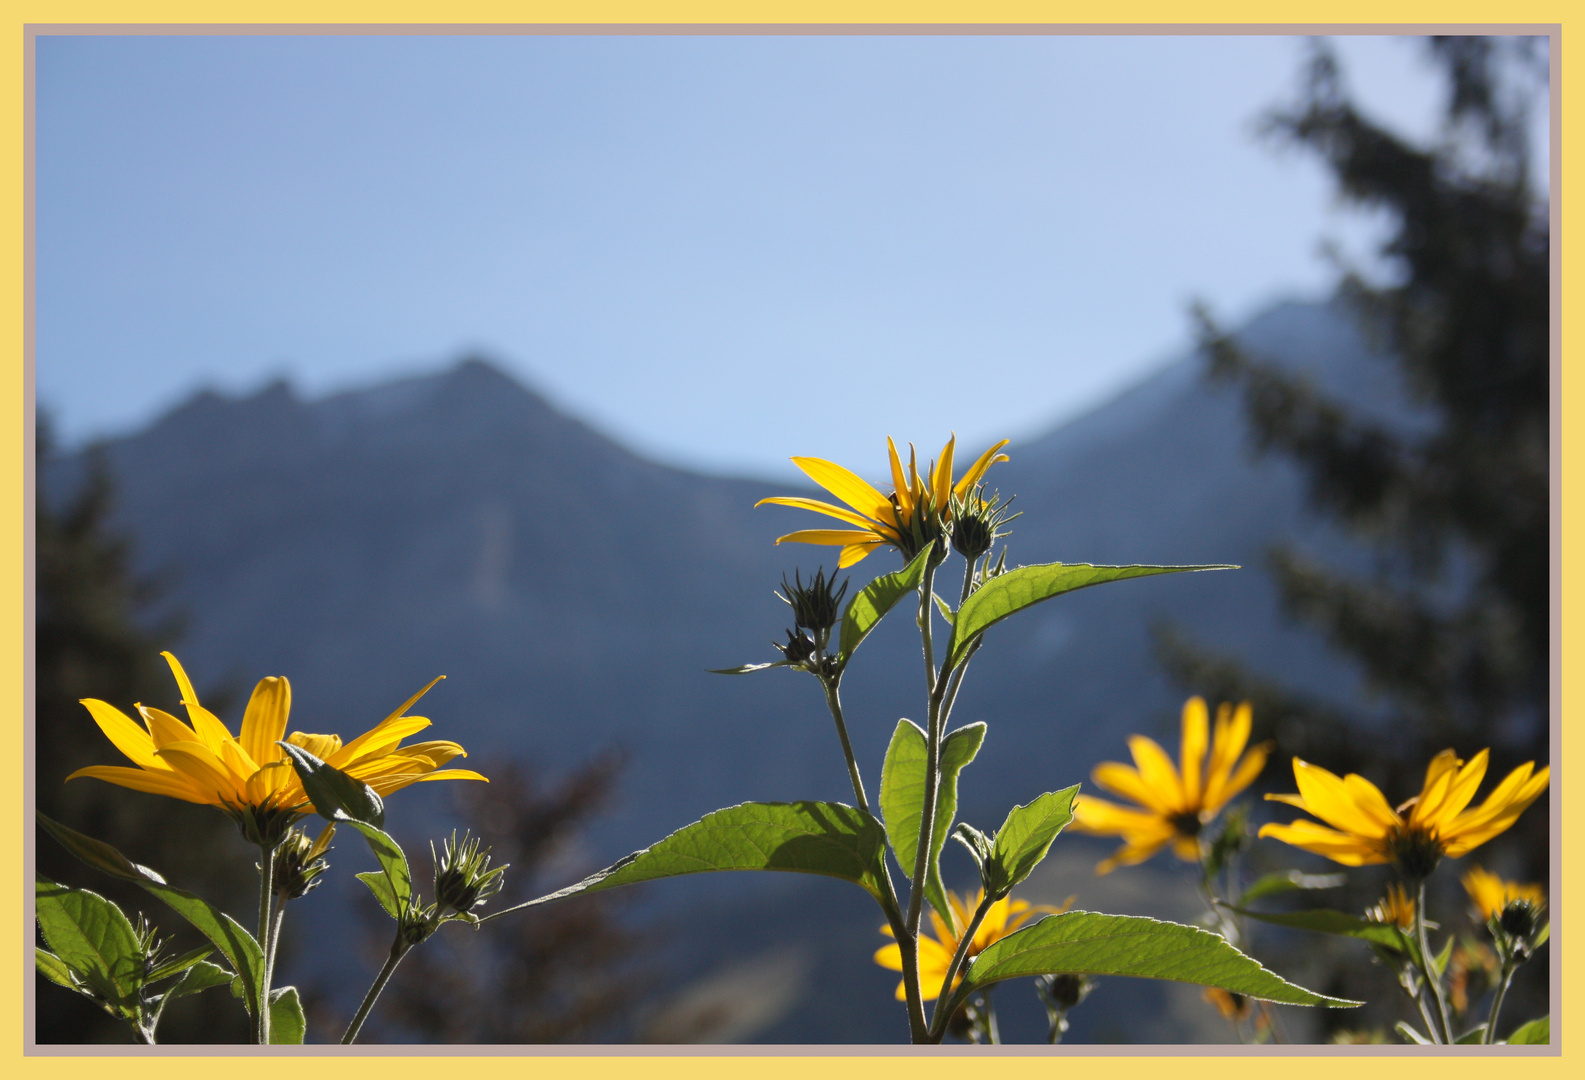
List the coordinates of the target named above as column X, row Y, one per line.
column 721, row 250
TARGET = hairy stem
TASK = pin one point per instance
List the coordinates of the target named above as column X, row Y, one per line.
column 1508, row 969
column 834, row 704
column 938, row 1022
column 1428, row 966
column 399, row 949
column 261, row 1017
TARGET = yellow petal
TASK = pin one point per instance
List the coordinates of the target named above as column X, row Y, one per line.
column 1328, row 798
column 1134, row 852
column 977, row 470
column 819, row 507
column 377, row 740
column 183, row 683
column 840, row 537
column 852, row 553
column 1460, row 789
column 385, row 785
column 1337, row 846
column 941, row 481
column 1125, row 780
column 1246, row 773
column 165, row 782
column 844, row 484
column 264, row 721
column 1228, row 740
column 207, row 772
column 1191, row 749
column 905, row 501
column 323, row 747
column 165, row 728
column 1101, row 818
column 1158, row 772
column 125, row 734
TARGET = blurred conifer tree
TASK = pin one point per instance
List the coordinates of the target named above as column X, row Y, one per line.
column 89, row 642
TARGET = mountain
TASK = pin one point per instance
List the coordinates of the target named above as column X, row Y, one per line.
column 575, row 595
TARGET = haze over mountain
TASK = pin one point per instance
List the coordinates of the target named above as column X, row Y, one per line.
column 574, row 595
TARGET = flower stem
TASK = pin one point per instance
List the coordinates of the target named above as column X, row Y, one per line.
column 399, row 949
column 261, row 1018
column 1428, row 966
column 834, row 704
column 938, row 1022
column 1496, row 1001
column 927, row 811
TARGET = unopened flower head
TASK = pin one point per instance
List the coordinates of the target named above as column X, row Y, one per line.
column 463, row 878
column 799, row 650
column 817, row 605
column 1492, row 895
column 917, row 513
column 251, row 778
column 1414, row 837
column 300, row 861
column 1174, row 804
column 977, row 522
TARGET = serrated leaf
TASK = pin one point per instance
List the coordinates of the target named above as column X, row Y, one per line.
column 92, row 937
column 335, row 795
column 1025, row 837
column 228, row 935
column 803, row 837
column 201, row 976
column 379, row 884
column 872, row 602
column 1025, row 586
column 393, row 866
column 744, row 669
column 1340, row 923
column 1535, row 1033
column 903, row 798
column 1410, row 1034
column 1084, row 942
column 54, row 968
column 1288, row 881
column 287, row 1024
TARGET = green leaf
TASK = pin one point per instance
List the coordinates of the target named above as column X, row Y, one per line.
column 946, row 611
column 1025, row 837
column 1543, row 936
column 393, row 866
column 336, row 796
column 1535, row 1033
column 1473, row 1037
column 178, row 965
column 873, row 601
column 1444, row 956
column 1288, row 881
column 1326, row 921
column 287, row 1024
column 1025, row 586
column 744, row 669
column 1411, row 1034
column 201, row 976
column 379, row 884
column 804, row 837
column 228, row 935
column 92, row 937
column 1083, row 942
column 903, row 798
column 54, row 968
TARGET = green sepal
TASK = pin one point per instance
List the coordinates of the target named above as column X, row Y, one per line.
column 903, row 798
column 379, row 884
column 1535, row 1033
column 1339, row 923
column 744, row 669
column 287, row 1023
column 946, row 610
column 1084, row 942
column 1288, row 881
column 335, row 795
column 1024, row 839
column 1011, row 592
column 54, row 969
column 94, row 939
column 1411, row 1034
column 394, row 869
column 872, row 602
column 179, row 964
column 803, row 837
column 228, row 935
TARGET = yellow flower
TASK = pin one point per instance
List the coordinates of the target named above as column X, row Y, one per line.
column 1396, row 908
column 935, row 954
column 1173, row 806
column 913, row 515
column 1491, row 894
column 1367, row 830
column 252, row 777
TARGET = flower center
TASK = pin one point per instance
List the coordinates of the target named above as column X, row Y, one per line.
column 1414, row 852
column 1187, row 823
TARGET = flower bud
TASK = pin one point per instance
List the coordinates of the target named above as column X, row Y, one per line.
column 816, row 606
column 800, row 648
column 299, row 861
column 463, row 878
column 977, row 522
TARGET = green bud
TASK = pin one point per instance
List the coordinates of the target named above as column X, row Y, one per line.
column 299, row 861
column 463, row 878
column 800, row 648
column 977, row 522
column 816, row 606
